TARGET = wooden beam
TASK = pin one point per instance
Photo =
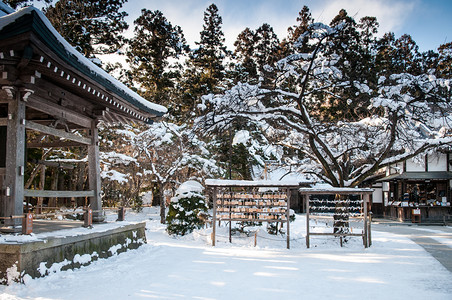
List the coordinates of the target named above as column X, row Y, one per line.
column 56, row 144
column 108, row 118
column 58, row 194
column 115, row 118
column 3, row 121
column 54, row 164
column 60, row 112
column 58, row 133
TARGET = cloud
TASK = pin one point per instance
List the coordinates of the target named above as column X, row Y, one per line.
column 186, row 14
column 239, row 14
column 391, row 14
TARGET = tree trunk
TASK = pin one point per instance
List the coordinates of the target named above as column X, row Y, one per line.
column 42, row 182
column 341, row 219
column 53, row 187
column 162, row 204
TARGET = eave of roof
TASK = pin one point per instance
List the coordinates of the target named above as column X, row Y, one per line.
column 250, row 183
column 32, row 19
column 438, row 175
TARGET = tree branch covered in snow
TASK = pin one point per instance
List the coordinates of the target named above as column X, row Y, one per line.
column 348, row 124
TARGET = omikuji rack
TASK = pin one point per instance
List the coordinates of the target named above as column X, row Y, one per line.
column 351, row 209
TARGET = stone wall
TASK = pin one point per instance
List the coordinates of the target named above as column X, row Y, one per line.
column 39, row 258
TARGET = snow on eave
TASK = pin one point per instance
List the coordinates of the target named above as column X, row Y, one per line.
column 251, row 183
column 331, row 190
column 12, row 17
column 5, row 9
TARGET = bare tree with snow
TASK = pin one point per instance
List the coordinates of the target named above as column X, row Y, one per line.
column 370, row 119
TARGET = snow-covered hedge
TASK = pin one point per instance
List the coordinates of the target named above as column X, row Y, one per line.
column 185, row 207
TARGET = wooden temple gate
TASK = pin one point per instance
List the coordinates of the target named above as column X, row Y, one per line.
column 49, row 89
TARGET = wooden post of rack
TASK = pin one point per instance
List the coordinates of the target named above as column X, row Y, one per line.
column 365, row 242
column 369, row 231
column 214, row 220
column 214, row 217
column 306, row 199
column 288, row 217
column 230, row 216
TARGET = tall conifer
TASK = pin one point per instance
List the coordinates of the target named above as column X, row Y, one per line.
column 155, row 44
column 208, row 59
column 92, row 27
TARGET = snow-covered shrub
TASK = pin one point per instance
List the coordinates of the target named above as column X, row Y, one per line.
column 184, row 208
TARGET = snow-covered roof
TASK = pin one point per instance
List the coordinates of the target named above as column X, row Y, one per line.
column 335, row 190
column 77, row 60
column 251, row 183
column 5, row 9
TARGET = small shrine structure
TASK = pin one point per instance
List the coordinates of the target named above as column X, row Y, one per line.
column 47, row 88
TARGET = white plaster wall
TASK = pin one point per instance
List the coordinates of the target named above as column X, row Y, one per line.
column 415, row 165
column 386, row 186
column 437, row 162
column 377, row 195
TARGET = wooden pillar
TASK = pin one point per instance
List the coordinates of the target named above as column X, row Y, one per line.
column 94, row 174
column 13, row 183
column 448, row 161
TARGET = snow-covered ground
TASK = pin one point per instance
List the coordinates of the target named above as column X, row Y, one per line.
column 190, row 268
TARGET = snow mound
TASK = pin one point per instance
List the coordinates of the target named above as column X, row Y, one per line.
column 190, row 186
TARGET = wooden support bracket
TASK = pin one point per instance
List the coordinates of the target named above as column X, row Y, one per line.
column 58, row 133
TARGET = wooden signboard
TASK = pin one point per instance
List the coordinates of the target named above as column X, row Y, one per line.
column 27, row 224
column 88, row 218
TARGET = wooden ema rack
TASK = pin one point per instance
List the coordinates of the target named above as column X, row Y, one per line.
column 251, row 207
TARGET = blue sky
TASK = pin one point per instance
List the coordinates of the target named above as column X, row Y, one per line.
column 429, row 22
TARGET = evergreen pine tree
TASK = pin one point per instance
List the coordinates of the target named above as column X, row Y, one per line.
column 244, row 53
column 407, row 56
column 92, row 27
column 397, row 55
column 155, row 44
column 209, row 57
column 304, row 19
column 349, row 50
column 267, row 48
column 444, row 68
